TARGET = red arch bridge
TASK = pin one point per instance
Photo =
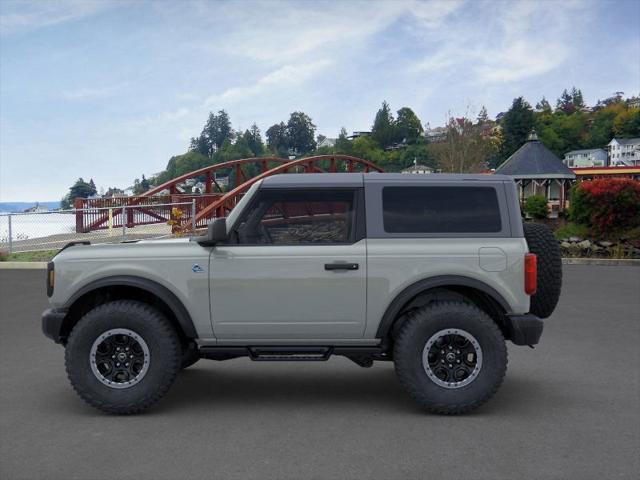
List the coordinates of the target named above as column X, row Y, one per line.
column 165, row 204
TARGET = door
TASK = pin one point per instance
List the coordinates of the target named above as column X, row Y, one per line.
column 294, row 268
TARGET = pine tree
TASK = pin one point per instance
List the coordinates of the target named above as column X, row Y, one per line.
column 517, row 123
column 483, row 116
column 543, row 106
column 576, row 98
column 382, row 130
column 565, row 103
column 343, row 144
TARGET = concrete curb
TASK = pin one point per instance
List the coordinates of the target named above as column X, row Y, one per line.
column 23, row 265
column 611, row 262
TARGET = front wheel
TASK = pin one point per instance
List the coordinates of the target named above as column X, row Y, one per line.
column 122, row 356
column 450, row 356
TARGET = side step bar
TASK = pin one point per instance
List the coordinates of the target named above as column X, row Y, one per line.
column 305, row 354
column 363, row 356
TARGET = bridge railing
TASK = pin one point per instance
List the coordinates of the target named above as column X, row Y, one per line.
column 105, row 213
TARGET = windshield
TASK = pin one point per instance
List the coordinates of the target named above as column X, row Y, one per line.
column 233, row 215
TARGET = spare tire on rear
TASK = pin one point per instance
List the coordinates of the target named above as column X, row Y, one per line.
column 543, row 243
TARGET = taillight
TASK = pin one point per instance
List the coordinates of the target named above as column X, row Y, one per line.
column 51, row 278
column 530, row 273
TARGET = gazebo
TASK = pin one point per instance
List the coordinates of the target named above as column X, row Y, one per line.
column 538, row 171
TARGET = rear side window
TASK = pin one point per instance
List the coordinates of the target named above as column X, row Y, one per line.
column 440, row 210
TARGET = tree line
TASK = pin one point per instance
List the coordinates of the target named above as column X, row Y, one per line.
column 467, row 143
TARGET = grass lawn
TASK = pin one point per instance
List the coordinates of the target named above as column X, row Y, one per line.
column 40, row 256
column 572, row 230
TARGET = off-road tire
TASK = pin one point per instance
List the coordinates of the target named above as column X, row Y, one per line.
column 164, row 360
column 543, row 243
column 420, row 325
column 190, row 355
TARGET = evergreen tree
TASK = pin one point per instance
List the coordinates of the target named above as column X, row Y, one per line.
column 301, row 133
column 200, row 145
column 343, row 144
column 216, row 131
column 408, row 126
column 576, row 99
column 543, row 106
column 277, row 140
column 80, row 189
column 253, row 139
column 383, row 130
column 144, row 183
column 565, row 103
column 483, row 116
column 517, row 123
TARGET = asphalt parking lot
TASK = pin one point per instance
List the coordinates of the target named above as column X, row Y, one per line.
column 568, row 409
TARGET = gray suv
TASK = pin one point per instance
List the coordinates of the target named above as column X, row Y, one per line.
column 432, row 272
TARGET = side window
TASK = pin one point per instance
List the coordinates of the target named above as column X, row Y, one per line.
column 298, row 217
column 440, row 210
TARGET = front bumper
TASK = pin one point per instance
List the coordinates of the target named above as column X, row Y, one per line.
column 524, row 329
column 52, row 322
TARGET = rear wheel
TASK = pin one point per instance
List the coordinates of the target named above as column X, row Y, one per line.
column 450, row 356
column 122, row 356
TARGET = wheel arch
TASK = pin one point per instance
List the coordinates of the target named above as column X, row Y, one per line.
column 129, row 287
column 428, row 289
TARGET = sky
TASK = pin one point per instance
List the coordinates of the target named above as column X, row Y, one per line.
column 110, row 90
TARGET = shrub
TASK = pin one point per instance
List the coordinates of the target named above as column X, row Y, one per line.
column 607, row 205
column 536, row 207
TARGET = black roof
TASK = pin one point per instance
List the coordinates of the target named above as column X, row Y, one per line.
column 357, row 179
column 534, row 160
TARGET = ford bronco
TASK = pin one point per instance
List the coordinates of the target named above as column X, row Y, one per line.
column 433, row 272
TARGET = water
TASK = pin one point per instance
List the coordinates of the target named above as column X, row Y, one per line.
column 29, row 226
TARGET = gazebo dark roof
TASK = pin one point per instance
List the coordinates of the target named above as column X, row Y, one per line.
column 534, row 160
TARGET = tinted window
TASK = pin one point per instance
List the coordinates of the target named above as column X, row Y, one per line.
column 440, row 210
column 298, row 217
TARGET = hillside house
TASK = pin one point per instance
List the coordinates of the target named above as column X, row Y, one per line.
column 593, row 157
column 624, row 152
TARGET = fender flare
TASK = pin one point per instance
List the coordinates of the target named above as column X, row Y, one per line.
column 420, row 286
column 150, row 286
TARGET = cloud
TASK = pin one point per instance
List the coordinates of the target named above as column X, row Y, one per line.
column 281, row 32
column 526, row 40
column 285, row 77
column 21, row 16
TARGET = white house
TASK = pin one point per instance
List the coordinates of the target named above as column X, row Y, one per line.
column 624, row 152
column 418, row 168
column 594, row 157
column 435, row 135
column 327, row 142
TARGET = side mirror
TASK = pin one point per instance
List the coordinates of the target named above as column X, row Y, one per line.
column 216, row 233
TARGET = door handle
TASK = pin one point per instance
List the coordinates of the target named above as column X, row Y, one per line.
column 341, row 266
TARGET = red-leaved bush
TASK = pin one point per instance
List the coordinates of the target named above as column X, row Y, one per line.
column 607, row 205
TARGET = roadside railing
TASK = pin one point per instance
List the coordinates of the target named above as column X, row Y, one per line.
column 100, row 213
column 51, row 230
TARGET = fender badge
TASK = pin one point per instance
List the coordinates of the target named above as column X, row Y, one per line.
column 196, row 268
